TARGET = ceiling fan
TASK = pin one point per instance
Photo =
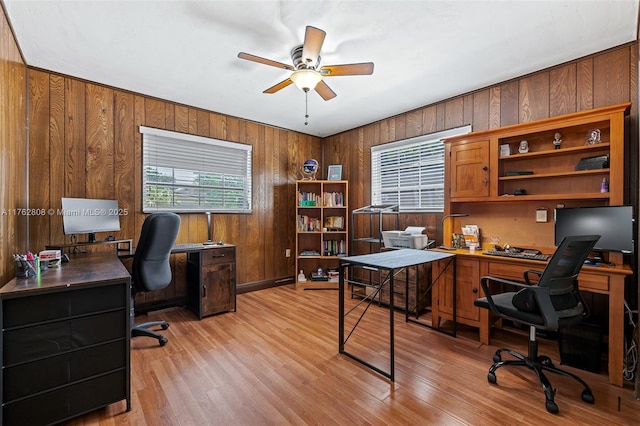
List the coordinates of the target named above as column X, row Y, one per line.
column 307, row 73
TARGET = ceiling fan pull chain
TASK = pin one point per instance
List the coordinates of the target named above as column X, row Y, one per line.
column 306, row 107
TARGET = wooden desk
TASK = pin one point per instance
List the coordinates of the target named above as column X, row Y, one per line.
column 211, row 277
column 602, row 279
column 66, row 340
column 388, row 262
column 122, row 246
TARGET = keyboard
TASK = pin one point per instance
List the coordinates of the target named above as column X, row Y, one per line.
column 188, row 246
column 518, row 255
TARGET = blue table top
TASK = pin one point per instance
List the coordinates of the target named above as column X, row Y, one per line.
column 394, row 259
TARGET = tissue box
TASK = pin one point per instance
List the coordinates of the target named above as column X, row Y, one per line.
column 51, row 258
column 50, row 255
column 412, row 237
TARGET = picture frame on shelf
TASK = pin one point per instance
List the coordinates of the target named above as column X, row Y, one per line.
column 335, row 172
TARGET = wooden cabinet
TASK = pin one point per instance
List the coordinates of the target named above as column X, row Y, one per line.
column 478, row 169
column 469, row 169
column 322, row 229
column 65, row 342
column 468, row 272
column 419, row 282
column 211, row 276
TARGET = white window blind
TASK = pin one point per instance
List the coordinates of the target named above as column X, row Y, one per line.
column 410, row 173
column 188, row 173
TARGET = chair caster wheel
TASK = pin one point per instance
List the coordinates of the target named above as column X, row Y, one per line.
column 165, row 326
column 552, row 407
column 497, row 357
column 587, row 396
column 163, row 341
column 491, row 378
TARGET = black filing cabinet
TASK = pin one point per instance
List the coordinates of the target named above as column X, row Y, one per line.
column 65, row 352
column 211, row 276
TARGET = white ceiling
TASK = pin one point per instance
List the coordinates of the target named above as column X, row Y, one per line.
column 424, row 51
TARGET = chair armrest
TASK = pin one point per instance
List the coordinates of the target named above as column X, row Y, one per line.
column 541, row 294
column 484, row 283
column 531, row 271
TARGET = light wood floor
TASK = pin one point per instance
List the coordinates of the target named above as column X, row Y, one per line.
column 275, row 362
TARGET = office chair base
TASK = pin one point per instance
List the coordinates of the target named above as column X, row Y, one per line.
column 144, row 330
column 538, row 364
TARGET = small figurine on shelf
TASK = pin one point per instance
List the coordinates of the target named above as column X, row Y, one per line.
column 593, row 137
column 557, row 141
column 524, row 147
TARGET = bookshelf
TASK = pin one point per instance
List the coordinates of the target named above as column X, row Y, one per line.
column 322, row 230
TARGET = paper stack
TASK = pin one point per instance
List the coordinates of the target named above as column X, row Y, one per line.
column 471, row 235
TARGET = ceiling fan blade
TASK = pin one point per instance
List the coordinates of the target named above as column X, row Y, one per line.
column 325, row 91
column 313, row 39
column 281, row 85
column 365, row 68
column 258, row 59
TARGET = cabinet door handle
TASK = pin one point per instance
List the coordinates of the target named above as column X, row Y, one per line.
column 485, row 168
column 204, row 291
column 475, row 290
column 218, row 255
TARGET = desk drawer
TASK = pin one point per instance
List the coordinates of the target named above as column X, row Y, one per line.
column 594, row 283
column 32, row 309
column 218, row 256
column 66, row 402
column 49, row 339
column 513, row 272
column 32, row 377
column 587, row 282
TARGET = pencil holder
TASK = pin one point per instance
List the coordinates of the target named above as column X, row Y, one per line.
column 21, row 270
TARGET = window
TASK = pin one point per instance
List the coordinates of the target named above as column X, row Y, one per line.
column 187, row 173
column 410, row 173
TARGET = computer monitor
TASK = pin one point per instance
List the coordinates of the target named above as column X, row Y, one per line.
column 614, row 224
column 88, row 216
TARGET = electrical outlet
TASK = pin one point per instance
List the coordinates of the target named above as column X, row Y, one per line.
column 287, row 253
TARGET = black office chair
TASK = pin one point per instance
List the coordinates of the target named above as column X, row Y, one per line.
column 554, row 302
column 151, row 270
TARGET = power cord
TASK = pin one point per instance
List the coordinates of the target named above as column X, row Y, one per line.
column 631, row 349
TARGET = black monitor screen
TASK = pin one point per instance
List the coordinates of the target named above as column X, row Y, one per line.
column 614, row 224
column 87, row 216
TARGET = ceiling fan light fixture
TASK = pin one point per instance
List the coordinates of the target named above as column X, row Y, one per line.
column 306, row 79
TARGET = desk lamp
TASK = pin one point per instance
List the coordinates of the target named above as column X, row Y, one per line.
column 209, row 239
column 443, row 246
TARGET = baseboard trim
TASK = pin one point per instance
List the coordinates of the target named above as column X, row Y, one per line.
column 262, row 285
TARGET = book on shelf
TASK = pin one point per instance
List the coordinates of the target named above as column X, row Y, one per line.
column 308, row 224
column 308, row 199
column 319, row 277
column 333, row 199
column 334, row 248
column 334, row 223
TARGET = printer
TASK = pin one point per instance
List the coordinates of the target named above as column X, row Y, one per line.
column 412, row 238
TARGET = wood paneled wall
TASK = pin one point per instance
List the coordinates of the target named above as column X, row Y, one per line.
column 85, row 142
column 600, row 80
column 13, row 150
